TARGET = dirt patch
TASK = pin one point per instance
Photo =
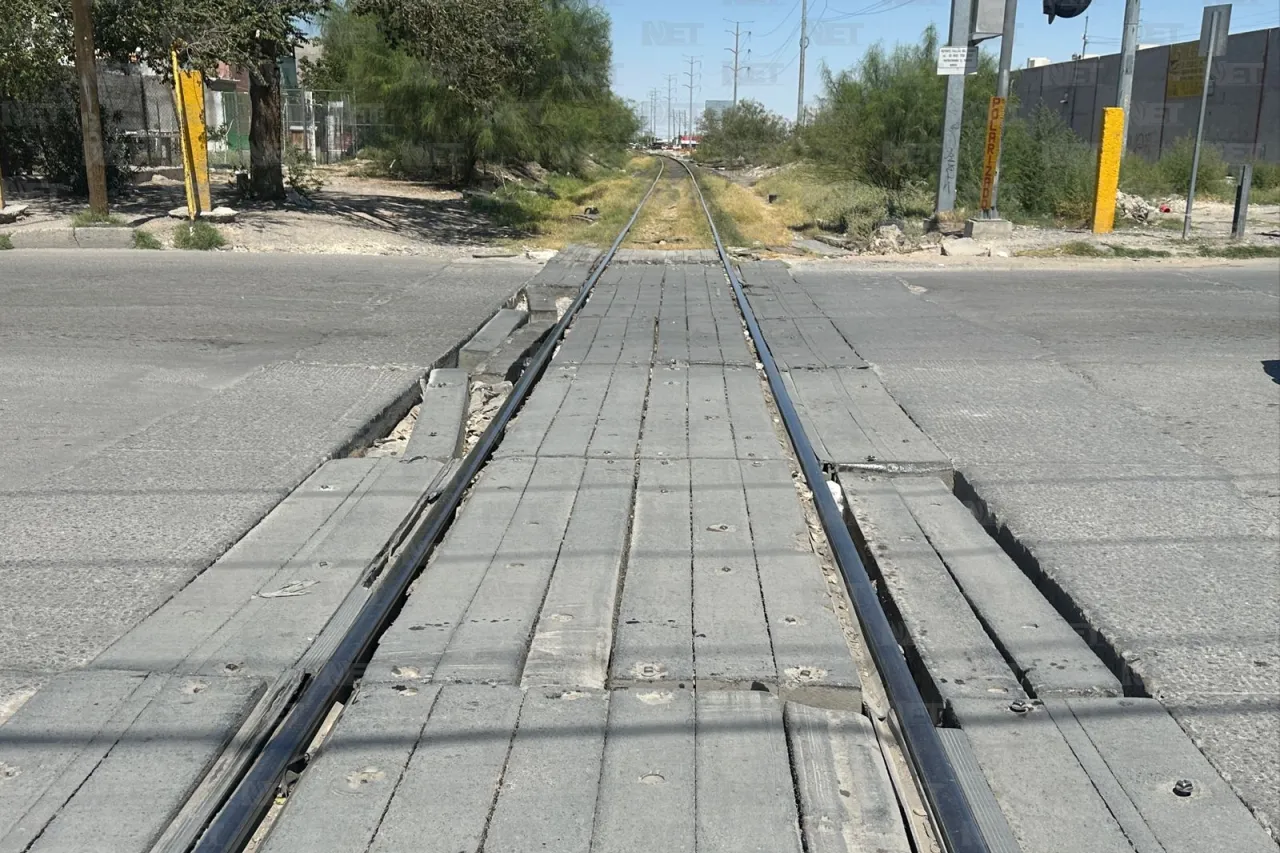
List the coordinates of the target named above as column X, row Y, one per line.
column 351, row 214
column 673, row 218
column 485, row 402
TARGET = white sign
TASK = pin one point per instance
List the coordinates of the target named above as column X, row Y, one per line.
column 957, row 60
column 1216, row 23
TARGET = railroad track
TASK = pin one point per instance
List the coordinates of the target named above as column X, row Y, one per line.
column 244, row 799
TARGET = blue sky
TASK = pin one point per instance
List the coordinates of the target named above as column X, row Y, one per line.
column 653, row 38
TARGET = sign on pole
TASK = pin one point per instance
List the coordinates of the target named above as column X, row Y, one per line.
column 1213, row 30
column 957, row 60
column 991, row 154
column 1213, row 37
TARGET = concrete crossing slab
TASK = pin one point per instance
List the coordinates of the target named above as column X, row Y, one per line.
column 441, row 429
column 356, row 773
column 134, row 757
column 654, row 637
column 574, row 635
column 648, row 778
column 1049, row 655
column 490, row 643
column 847, row 801
column 552, row 777
column 437, row 604
column 745, row 796
column 1047, row 797
column 731, row 642
column 946, row 640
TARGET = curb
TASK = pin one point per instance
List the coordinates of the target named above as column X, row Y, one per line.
column 98, row 237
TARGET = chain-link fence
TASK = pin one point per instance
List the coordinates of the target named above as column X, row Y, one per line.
column 329, row 126
column 140, row 111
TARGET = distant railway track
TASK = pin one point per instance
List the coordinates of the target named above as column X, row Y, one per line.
column 303, row 712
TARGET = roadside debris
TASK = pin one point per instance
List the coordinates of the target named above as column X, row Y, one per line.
column 1133, row 207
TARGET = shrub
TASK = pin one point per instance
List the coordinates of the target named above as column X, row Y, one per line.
column 745, row 134
column 198, row 235
column 43, row 138
column 1171, row 174
column 5, row 243
column 1266, row 176
column 300, row 170
column 91, row 218
column 146, row 240
column 1046, row 170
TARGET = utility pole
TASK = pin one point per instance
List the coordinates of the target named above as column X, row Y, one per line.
column 1128, row 57
column 693, row 60
column 653, row 113
column 804, row 44
column 953, row 117
column 737, row 34
column 1084, row 40
column 671, row 79
column 90, row 114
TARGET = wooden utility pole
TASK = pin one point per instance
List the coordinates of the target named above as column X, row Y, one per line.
column 95, row 162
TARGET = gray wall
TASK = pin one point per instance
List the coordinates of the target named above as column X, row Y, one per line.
column 1243, row 114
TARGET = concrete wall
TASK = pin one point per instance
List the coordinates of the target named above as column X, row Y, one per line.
column 1243, row 114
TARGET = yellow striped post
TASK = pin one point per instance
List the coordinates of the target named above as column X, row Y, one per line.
column 1109, row 153
column 189, row 97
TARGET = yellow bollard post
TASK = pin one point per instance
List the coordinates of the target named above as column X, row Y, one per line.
column 1109, row 154
column 188, row 92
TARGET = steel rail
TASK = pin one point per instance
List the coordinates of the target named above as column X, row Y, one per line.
column 244, row 808
column 951, row 811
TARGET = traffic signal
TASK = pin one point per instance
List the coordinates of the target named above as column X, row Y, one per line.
column 1064, row 8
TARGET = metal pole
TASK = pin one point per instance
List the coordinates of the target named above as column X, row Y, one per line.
column 961, row 21
column 1002, row 91
column 689, row 119
column 1240, row 220
column 1128, row 58
column 735, row 50
column 804, row 44
column 1204, row 105
column 90, row 112
column 671, row 132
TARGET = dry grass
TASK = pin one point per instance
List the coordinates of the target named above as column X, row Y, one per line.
column 673, row 218
column 755, row 222
column 554, row 222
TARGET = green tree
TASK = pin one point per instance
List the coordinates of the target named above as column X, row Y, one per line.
column 465, row 81
column 747, row 133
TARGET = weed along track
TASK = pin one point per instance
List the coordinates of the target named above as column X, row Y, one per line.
column 631, row 616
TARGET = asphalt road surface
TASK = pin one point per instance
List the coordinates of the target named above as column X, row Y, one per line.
column 1123, row 425
column 153, row 407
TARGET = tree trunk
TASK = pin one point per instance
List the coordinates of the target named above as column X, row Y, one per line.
column 266, row 126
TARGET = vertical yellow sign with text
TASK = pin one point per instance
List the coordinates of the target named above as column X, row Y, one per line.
column 189, row 95
column 991, row 155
